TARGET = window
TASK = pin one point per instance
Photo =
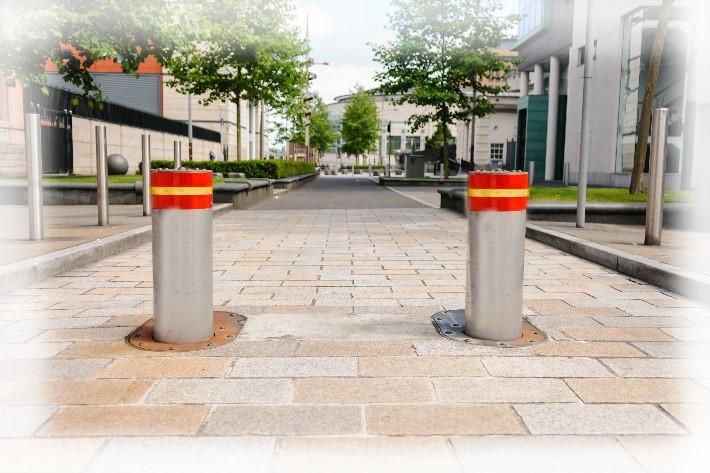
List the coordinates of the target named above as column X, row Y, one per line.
column 497, row 150
column 413, row 140
column 395, row 144
column 532, row 17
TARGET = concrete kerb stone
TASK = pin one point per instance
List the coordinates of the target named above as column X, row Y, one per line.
column 685, row 282
column 29, row 271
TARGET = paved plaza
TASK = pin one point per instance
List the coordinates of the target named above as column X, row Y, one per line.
column 339, row 368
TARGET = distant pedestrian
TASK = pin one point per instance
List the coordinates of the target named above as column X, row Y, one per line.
column 212, row 156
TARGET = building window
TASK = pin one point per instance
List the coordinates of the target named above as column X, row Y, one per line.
column 413, row 143
column 532, row 17
column 497, row 150
column 395, row 144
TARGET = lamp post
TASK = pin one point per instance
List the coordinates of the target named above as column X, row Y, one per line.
column 307, row 98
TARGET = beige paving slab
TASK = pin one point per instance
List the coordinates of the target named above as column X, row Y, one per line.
column 354, row 348
column 614, row 334
column 545, row 367
column 284, row 420
column 658, row 367
column 442, row 420
column 193, row 367
column 694, row 416
column 694, row 334
column 76, row 391
column 638, row 390
column 586, row 349
column 248, row 348
column 299, row 367
column 41, row 455
column 442, row 347
column 665, row 453
column 502, row 390
column 32, row 370
column 91, row 421
column 554, row 306
column 184, row 454
column 543, row 454
column 221, row 391
column 23, row 421
column 675, row 349
column 606, row 419
column 359, row 455
column 74, row 334
column 29, row 351
column 104, row 349
column 361, row 390
column 424, row 366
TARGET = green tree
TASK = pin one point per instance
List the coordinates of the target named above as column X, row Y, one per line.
column 436, row 140
column 244, row 51
column 636, row 186
column 442, row 48
column 321, row 132
column 34, row 32
column 360, row 127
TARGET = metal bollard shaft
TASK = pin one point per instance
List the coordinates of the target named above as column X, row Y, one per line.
column 531, row 173
column 101, row 175
column 35, row 198
column 182, row 255
column 496, row 237
column 565, row 174
column 145, row 145
column 656, row 175
column 177, row 154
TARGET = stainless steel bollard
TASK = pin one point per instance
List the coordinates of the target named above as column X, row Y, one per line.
column 101, row 175
column 565, row 174
column 177, row 154
column 35, row 197
column 656, row 176
column 182, row 255
column 145, row 145
column 496, row 237
column 531, row 173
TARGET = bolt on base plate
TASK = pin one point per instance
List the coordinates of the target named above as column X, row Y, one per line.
column 450, row 324
column 226, row 326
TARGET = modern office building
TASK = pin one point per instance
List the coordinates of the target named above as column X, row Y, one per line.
column 552, row 36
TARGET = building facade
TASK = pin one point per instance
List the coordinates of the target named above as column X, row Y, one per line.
column 552, row 41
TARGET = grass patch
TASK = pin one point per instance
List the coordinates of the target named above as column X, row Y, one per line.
column 602, row 194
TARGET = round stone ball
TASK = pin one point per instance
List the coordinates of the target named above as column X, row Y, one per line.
column 117, row 165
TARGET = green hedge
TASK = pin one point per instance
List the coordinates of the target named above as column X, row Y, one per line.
column 270, row 169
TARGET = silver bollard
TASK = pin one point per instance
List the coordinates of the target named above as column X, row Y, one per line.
column 565, row 174
column 496, row 237
column 33, row 153
column 177, row 154
column 101, row 175
column 656, row 176
column 531, row 173
column 145, row 145
column 182, row 255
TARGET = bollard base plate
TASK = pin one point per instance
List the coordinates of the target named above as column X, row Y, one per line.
column 226, row 326
column 450, row 324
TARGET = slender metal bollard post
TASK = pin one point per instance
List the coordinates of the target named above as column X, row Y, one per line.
column 656, row 176
column 35, row 198
column 101, row 175
column 177, row 154
column 531, row 173
column 182, row 255
column 145, row 145
column 496, row 238
column 565, row 174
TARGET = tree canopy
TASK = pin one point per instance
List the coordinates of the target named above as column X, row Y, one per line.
column 321, row 132
column 360, row 126
column 441, row 49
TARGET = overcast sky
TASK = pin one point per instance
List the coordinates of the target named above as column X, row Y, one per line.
column 339, row 33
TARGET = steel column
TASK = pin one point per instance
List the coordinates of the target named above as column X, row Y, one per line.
column 101, row 175
column 656, row 175
column 33, row 153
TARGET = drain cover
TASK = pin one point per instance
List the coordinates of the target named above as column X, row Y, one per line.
column 450, row 324
column 226, row 326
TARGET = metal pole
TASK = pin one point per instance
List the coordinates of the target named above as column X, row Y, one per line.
column 585, row 142
column 496, row 239
column 145, row 142
column 182, row 256
column 565, row 173
column 531, row 173
column 189, row 126
column 177, row 152
column 101, row 175
column 656, row 175
column 33, row 146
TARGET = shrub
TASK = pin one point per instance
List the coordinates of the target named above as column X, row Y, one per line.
column 269, row 169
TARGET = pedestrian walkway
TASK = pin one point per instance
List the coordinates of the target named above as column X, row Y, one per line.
column 339, row 369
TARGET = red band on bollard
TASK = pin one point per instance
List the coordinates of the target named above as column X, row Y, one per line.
column 185, row 190
column 497, row 191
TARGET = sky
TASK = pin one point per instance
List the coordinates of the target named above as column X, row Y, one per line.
column 339, row 32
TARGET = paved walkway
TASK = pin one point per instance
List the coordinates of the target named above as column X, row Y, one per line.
column 339, row 369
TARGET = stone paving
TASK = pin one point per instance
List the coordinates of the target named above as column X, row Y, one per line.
column 339, row 368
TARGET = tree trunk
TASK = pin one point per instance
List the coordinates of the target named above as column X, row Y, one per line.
column 636, row 186
column 261, row 130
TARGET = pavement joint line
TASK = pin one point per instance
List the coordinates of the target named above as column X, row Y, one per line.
column 413, row 198
column 678, row 280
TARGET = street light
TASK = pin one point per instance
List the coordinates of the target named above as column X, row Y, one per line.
column 307, row 98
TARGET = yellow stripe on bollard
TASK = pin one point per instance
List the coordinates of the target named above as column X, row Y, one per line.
column 181, row 190
column 498, row 192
